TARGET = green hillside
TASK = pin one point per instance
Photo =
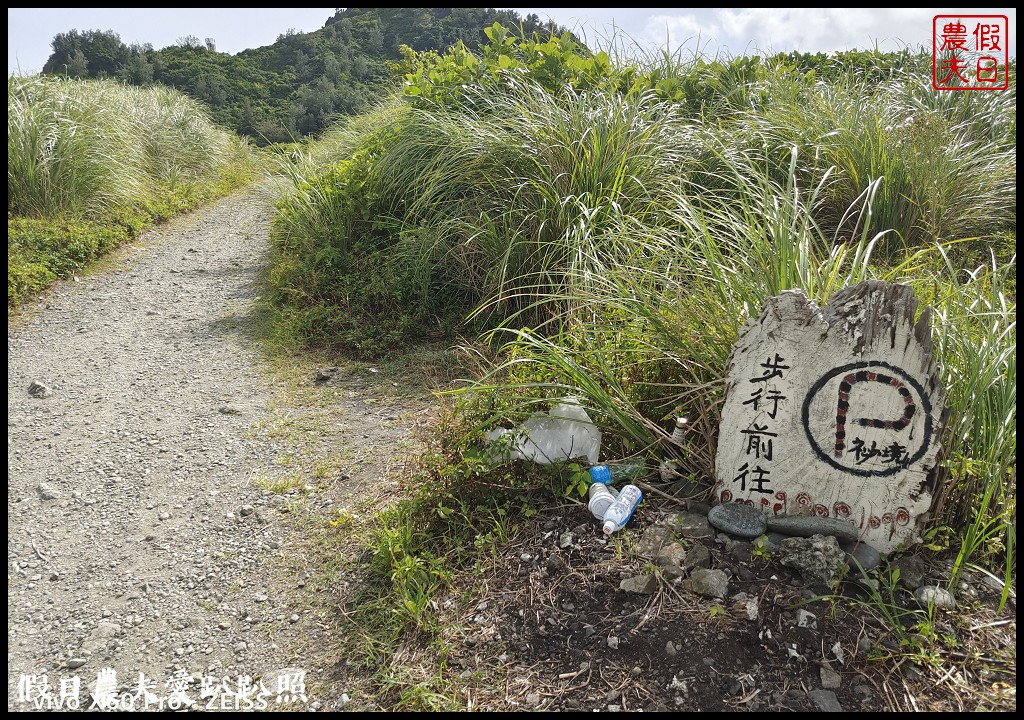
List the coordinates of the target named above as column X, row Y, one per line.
column 296, row 86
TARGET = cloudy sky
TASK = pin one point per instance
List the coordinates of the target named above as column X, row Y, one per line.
column 710, row 31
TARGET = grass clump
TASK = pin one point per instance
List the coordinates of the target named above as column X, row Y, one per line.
column 90, row 164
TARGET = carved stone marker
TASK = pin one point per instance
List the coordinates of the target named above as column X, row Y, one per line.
column 835, row 412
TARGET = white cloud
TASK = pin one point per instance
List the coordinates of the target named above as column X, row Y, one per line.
column 740, row 31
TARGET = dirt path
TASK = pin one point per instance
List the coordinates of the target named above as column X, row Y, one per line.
column 148, row 489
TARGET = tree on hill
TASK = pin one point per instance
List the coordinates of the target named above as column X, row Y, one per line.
column 302, row 82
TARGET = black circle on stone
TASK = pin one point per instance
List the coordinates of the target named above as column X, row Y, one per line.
column 926, row 406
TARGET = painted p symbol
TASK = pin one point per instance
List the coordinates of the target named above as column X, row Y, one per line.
column 843, row 406
column 828, row 411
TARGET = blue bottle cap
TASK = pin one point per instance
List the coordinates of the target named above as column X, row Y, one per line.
column 601, row 474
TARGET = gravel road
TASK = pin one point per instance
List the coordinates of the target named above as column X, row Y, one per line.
column 138, row 544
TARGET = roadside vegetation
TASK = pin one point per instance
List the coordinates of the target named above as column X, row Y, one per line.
column 578, row 223
column 91, row 164
column 592, row 225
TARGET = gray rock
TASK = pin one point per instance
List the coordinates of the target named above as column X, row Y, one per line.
column 771, row 541
column 911, row 570
column 641, row 584
column 673, row 573
column 830, row 679
column 652, row 540
column 740, row 550
column 697, row 557
column 565, row 540
column 825, row 700
column 816, row 559
column 738, row 519
column 688, row 524
column 934, row 595
column 671, row 554
column 46, row 492
column 75, row 663
column 38, row 389
column 860, row 555
column 709, row 583
column 993, row 583
column 555, row 564
column 808, row 525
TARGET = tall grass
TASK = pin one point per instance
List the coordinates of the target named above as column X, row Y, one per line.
column 976, row 337
column 91, row 163
column 944, row 169
column 78, row 148
column 66, row 151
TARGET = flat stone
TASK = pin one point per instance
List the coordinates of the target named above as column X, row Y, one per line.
column 825, row 700
column 738, row 519
column 808, row 525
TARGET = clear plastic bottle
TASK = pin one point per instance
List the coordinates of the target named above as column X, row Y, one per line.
column 620, row 511
column 601, row 498
column 670, row 466
column 612, row 473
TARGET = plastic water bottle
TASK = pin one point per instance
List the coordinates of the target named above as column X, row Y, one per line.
column 620, row 511
column 670, row 466
column 601, row 498
column 613, row 473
